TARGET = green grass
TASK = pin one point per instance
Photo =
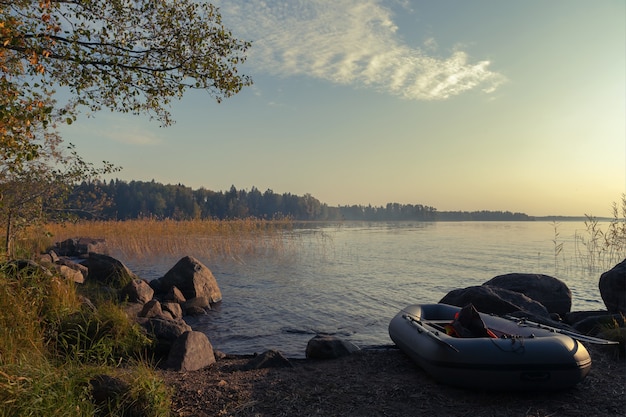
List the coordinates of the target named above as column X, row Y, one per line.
column 51, row 345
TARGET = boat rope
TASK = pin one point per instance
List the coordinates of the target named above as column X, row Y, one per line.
column 517, row 344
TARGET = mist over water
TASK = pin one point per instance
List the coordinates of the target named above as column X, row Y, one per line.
column 350, row 279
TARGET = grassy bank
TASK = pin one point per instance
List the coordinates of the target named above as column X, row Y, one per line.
column 52, row 345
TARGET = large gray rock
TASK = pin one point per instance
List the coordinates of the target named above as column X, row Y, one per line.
column 329, row 347
column 193, row 279
column 137, row 290
column 555, row 296
column 495, row 300
column 151, row 309
column 174, row 295
column 191, row 351
column 168, row 330
column 108, row 270
column 197, row 306
column 69, row 274
column 73, row 265
column 164, row 332
column 173, row 308
column 612, row 287
column 78, row 247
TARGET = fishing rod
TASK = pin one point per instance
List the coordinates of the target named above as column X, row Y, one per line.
column 573, row 335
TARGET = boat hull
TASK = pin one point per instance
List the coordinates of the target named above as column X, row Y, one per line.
column 527, row 358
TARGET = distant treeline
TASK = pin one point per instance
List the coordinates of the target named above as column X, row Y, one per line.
column 121, row 200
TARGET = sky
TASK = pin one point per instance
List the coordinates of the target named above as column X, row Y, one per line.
column 456, row 104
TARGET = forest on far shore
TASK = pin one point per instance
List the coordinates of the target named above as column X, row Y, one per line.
column 121, row 200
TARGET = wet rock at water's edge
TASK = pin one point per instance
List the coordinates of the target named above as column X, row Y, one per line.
column 551, row 292
column 612, row 287
column 495, row 300
column 192, row 278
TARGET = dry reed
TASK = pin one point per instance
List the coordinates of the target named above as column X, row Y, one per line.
column 146, row 238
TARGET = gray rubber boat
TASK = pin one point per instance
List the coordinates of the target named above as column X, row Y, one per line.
column 521, row 357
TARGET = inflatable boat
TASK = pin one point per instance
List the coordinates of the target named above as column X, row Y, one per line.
column 510, row 355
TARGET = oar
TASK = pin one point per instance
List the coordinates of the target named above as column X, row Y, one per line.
column 573, row 335
column 420, row 328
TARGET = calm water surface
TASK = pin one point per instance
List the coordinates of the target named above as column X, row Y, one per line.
column 350, row 279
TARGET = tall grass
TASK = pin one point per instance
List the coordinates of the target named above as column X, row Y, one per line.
column 51, row 346
column 207, row 239
column 600, row 249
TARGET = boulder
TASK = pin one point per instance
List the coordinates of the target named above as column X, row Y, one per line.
column 108, row 270
column 495, row 300
column 164, row 331
column 49, row 257
column 189, row 352
column 196, row 306
column 168, row 330
column 268, row 359
column 555, row 296
column 137, row 291
column 151, row 309
column 595, row 325
column 329, row 347
column 175, row 295
column 193, row 279
column 80, row 247
column 612, row 287
column 173, row 308
column 69, row 274
column 73, row 265
column 576, row 316
column 66, row 247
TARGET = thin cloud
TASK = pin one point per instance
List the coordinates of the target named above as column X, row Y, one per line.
column 351, row 42
column 126, row 132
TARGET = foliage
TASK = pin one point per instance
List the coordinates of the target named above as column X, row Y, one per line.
column 126, row 56
column 145, row 52
column 39, row 189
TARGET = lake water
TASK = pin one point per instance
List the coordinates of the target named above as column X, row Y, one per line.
column 350, row 279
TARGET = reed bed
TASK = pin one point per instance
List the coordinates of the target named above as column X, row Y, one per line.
column 207, row 239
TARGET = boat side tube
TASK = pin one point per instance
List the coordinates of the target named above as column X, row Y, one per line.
column 525, row 358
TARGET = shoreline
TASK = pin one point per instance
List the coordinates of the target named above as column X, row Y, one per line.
column 381, row 382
